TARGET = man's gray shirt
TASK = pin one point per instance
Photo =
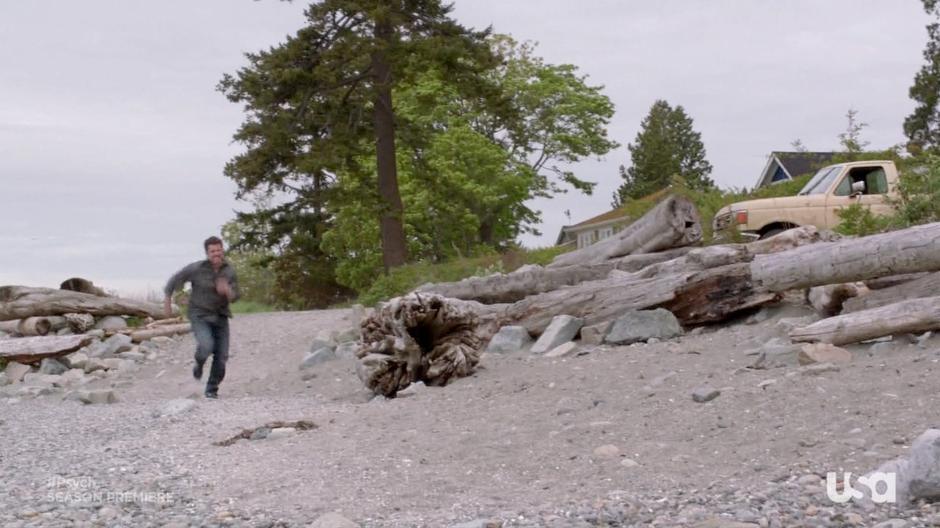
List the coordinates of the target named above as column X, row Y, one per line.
column 204, row 301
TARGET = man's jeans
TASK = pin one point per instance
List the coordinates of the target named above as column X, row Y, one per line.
column 211, row 333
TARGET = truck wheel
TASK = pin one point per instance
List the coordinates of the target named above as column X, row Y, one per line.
column 771, row 232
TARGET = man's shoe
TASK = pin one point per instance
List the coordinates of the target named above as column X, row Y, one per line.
column 212, row 395
column 197, row 371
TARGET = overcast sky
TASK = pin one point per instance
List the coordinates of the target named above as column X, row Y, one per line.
column 113, row 137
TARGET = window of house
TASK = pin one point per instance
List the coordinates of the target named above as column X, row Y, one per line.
column 605, row 233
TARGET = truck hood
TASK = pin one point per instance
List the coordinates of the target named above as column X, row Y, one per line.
column 771, row 203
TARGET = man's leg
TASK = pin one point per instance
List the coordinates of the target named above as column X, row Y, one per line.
column 205, row 343
column 219, row 356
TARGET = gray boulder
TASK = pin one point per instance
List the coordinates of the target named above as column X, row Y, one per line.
column 640, row 325
column 111, row 323
column 52, row 366
column 509, row 339
column 116, row 344
column 562, row 329
column 922, row 477
column 594, row 334
column 318, row 356
column 15, row 371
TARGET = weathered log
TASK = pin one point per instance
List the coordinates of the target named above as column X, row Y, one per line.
column 881, row 283
column 926, row 286
column 19, row 302
column 421, row 338
column 673, row 222
column 916, row 315
column 34, row 349
column 909, row 250
column 529, row 280
column 33, row 326
column 164, row 330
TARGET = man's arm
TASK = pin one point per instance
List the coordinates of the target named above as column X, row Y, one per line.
column 175, row 283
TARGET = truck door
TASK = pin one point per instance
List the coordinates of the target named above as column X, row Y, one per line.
column 871, row 191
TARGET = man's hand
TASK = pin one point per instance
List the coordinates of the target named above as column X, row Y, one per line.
column 223, row 288
column 167, row 308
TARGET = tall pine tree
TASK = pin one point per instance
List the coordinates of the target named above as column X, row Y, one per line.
column 922, row 127
column 666, row 146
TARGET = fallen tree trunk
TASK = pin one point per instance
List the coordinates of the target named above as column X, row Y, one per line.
column 892, row 280
column 20, row 302
column 673, row 222
column 33, row 326
column 35, row 349
column 515, row 286
column 916, row 315
column 161, row 330
column 926, row 286
column 529, row 280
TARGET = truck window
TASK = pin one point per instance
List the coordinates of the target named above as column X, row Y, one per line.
column 819, row 184
column 876, row 182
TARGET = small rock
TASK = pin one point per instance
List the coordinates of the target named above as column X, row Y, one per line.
column 562, row 329
column 766, row 383
column 133, row 356
column 319, row 356
column 93, row 364
column 4, row 380
column 818, row 368
column 705, row 394
column 112, row 363
column 606, row 451
column 281, row 432
column 479, row 523
column 111, row 323
column 52, row 366
column 175, row 407
column 76, row 359
column 641, row 325
column 562, row 350
column 260, row 433
column 892, row 523
column 823, row 353
column 333, row 520
column 881, row 348
column 412, row 389
column 922, row 339
column 15, row 371
column 594, row 334
column 97, row 397
column 509, row 339
column 629, row 462
column 320, row 344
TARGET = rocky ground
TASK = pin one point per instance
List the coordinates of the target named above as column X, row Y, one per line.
column 605, row 436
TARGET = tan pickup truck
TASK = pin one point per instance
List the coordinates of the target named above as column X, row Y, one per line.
column 869, row 183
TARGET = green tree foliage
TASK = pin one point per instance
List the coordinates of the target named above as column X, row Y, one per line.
column 474, row 141
column 666, row 146
column 922, row 127
column 851, row 140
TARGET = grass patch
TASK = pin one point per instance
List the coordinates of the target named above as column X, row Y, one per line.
column 249, row 307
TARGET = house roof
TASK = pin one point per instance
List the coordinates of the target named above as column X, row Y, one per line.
column 794, row 164
column 800, row 163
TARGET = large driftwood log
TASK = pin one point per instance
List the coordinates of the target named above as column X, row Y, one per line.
column 926, row 286
column 916, row 315
column 529, row 280
column 673, row 222
column 19, row 302
column 34, row 349
column 161, row 330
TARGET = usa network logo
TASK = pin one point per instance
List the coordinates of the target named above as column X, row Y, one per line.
column 882, row 487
